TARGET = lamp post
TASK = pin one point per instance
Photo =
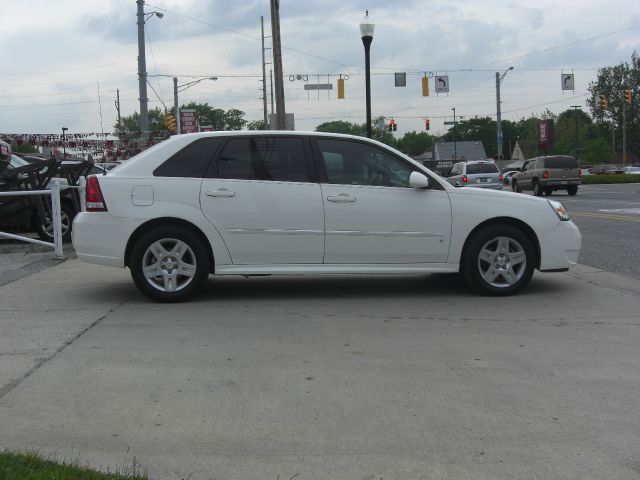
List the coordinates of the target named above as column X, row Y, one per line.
column 366, row 31
column 499, row 79
column 455, row 145
column 142, row 66
column 64, row 142
column 575, row 114
column 179, row 88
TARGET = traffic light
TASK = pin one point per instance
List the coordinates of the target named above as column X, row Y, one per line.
column 427, row 124
column 603, row 102
column 170, row 122
column 425, row 86
column 393, row 126
column 628, row 96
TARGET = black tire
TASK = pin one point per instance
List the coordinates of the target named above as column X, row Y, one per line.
column 515, row 187
column 537, row 189
column 510, row 277
column 572, row 190
column 44, row 228
column 548, row 191
column 194, row 260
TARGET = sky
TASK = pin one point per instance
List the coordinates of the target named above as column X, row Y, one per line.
column 63, row 62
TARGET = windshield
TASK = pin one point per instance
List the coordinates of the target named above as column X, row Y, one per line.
column 481, row 168
column 16, row 161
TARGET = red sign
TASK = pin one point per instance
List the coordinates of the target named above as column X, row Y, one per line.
column 545, row 132
column 188, row 123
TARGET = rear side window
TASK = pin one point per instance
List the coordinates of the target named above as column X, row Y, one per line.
column 191, row 161
column 262, row 158
column 481, row 168
column 560, row 162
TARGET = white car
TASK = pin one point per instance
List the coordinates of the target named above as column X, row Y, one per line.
column 632, row 170
column 291, row 203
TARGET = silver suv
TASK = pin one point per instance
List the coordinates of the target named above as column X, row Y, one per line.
column 546, row 174
column 476, row 173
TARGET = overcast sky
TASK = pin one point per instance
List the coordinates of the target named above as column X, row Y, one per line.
column 61, row 62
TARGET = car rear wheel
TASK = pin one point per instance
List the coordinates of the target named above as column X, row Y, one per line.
column 572, row 190
column 537, row 189
column 44, row 228
column 498, row 260
column 169, row 264
column 515, row 187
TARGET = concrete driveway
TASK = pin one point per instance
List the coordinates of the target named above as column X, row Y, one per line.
column 342, row 377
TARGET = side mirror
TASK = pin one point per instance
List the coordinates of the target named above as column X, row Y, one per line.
column 418, row 180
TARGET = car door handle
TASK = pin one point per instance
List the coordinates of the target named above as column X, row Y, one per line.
column 342, row 198
column 223, row 192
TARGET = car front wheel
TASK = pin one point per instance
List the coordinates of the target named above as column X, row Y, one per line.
column 499, row 260
column 169, row 264
column 515, row 187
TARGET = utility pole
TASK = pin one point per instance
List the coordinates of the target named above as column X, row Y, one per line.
column 575, row 113
column 277, row 64
column 455, row 145
column 264, row 77
column 271, row 75
column 118, row 107
column 176, row 108
column 624, row 133
column 499, row 79
column 142, row 72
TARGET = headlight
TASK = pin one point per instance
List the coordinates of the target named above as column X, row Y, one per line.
column 562, row 212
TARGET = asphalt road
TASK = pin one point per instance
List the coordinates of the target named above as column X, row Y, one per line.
column 609, row 219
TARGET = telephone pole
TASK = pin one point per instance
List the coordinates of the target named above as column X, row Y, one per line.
column 118, row 107
column 142, row 71
column 624, row 133
column 575, row 114
column 264, row 77
column 277, row 64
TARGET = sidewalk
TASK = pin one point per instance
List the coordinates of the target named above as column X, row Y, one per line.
column 340, row 377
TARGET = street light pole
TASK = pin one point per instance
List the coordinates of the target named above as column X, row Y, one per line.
column 366, row 30
column 142, row 67
column 455, row 145
column 64, row 142
column 180, row 88
column 499, row 79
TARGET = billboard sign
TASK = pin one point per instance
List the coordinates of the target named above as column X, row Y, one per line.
column 188, row 123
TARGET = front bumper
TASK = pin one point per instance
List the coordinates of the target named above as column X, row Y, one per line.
column 560, row 246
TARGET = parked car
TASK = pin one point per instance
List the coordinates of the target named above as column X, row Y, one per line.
column 476, row 173
column 547, row 174
column 256, row 203
column 632, row 170
column 22, row 213
column 584, row 171
column 606, row 170
column 506, row 176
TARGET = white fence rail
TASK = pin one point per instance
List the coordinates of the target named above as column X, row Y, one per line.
column 56, row 213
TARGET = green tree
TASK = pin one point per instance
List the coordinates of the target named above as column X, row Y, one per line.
column 612, row 81
column 597, row 151
column 415, row 143
column 379, row 129
column 131, row 123
column 256, row 125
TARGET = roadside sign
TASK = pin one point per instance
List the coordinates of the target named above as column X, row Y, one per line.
column 451, row 123
column 567, row 81
column 188, row 122
column 442, row 84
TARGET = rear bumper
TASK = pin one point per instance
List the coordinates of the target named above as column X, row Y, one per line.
column 101, row 238
column 560, row 183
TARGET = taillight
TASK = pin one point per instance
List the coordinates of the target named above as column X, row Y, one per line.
column 94, row 199
column 464, row 179
column 500, row 177
column 545, row 174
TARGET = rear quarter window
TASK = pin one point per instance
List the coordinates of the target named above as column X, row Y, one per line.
column 190, row 162
column 560, row 162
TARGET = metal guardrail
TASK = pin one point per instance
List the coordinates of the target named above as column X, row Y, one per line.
column 55, row 212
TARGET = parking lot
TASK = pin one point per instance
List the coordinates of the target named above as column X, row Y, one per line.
column 325, row 377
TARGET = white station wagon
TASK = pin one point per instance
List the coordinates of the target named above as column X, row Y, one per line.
column 291, row 203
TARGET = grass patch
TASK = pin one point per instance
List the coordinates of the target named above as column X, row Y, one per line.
column 599, row 179
column 32, row 466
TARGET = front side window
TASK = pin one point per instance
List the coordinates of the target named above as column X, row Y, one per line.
column 263, row 158
column 356, row 163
